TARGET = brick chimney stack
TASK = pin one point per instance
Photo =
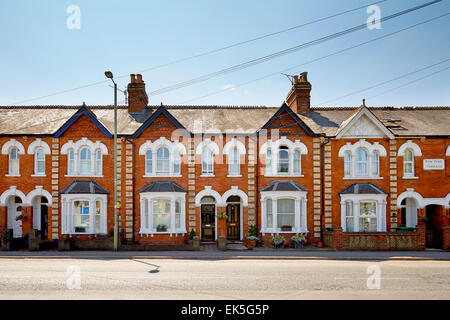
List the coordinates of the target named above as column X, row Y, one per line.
column 298, row 98
column 137, row 97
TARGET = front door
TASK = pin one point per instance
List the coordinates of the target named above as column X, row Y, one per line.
column 208, row 215
column 233, row 221
column 44, row 222
column 17, row 223
column 433, row 226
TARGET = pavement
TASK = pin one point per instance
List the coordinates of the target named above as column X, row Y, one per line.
column 211, row 253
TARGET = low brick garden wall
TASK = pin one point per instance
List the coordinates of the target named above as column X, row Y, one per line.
column 408, row 240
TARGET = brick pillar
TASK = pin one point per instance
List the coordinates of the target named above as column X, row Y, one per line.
column 420, row 229
column 249, row 211
column 221, row 225
column 392, row 220
column 337, row 239
column 446, row 238
column 26, row 224
column 3, row 218
column 328, row 220
column 53, row 210
column 193, row 213
column 316, row 189
column 127, row 209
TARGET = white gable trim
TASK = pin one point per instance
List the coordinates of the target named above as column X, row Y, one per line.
column 409, row 145
column 364, row 111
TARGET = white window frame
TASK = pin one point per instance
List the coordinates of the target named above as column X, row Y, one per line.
column 67, row 213
column 234, row 159
column 98, row 162
column 272, row 163
column 152, row 147
column 77, row 147
column 161, row 159
column 207, row 170
column 11, row 161
column 416, row 152
column 356, row 200
column 370, row 149
column 38, row 145
column 301, row 221
column 408, row 174
column 147, row 212
column 36, row 162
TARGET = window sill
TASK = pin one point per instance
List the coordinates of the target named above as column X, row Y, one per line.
column 363, row 178
column 165, row 175
column 207, row 175
column 148, row 232
column 12, row 175
column 82, row 176
column 234, row 176
column 38, row 175
column 274, row 231
column 410, row 177
column 284, row 175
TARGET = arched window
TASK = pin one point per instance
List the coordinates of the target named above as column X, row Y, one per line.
column 297, row 166
column 162, row 160
column 98, row 162
column 71, row 162
column 148, row 162
column 176, row 162
column 269, row 161
column 233, row 162
column 347, row 164
column 85, row 161
column 283, row 160
column 14, row 161
column 375, row 165
column 39, row 162
column 207, row 161
column 361, row 162
column 408, row 163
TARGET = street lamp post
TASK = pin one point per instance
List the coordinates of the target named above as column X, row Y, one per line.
column 109, row 75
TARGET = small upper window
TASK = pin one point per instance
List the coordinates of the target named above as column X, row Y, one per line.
column 71, row 162
column 361, row 162
column 207, row 161
column 347, row 163
column 85, row 161
column 98, row 162
column 408, row 163
column 269, row 161
column 297, row 164
column 39, row 162
column 283, row 160
column 375, row 165
column 162, row 160
column 14, row 161
column 148, row 162
column 233, row 162
column 176, row 162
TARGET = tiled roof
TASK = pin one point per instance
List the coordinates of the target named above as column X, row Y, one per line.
column 407, row 121
column 283, row 185
column 363, row 188
column 162, row 186
column 84, row 187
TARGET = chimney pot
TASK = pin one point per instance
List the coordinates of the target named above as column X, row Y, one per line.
column 137, row 97
column 298, row 98
column 133, row 78
column 139, row 77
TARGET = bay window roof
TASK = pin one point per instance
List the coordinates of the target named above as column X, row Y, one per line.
column 84, row 187
column 363, row 188
column 283, row 185
column 162, row 186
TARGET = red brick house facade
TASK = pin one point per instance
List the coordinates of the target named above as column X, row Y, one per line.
column 350, row 178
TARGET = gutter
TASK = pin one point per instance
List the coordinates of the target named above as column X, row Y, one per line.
column 134, row 184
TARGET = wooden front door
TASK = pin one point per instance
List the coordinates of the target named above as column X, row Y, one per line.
column 208, row 217
column 44, row 222
column 233, row 221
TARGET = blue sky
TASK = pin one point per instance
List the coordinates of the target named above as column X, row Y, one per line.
column 39, row 55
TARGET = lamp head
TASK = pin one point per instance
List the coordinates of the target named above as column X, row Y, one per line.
column 109, row 74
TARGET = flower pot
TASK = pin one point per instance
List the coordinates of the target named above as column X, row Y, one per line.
column 252, row 243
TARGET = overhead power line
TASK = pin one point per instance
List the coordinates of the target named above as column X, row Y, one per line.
column 314, row 60
column 385, row 82
column 411, row 82
column 202, row 54
column 283, row 52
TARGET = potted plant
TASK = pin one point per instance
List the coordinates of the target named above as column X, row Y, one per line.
column 192, row 234
column 278, row 241
column 252, row 237
column 425, row 219
column 222, row 215
column 161, row 228
column 21, row 217
column 286, row 227
column 298, row 240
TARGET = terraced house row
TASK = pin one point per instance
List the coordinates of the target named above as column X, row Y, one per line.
column 350, row 178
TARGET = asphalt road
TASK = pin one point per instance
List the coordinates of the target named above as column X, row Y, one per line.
column 222, row 279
